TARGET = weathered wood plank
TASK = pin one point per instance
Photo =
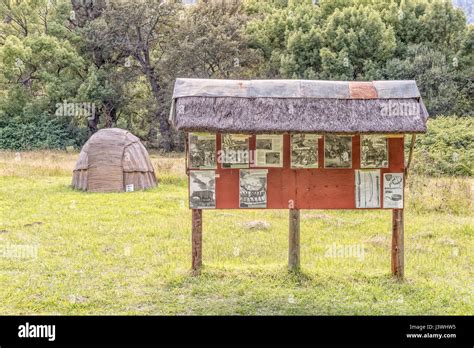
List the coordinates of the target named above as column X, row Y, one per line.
column 398, row 249
column 410, row 156
column 294, row 240
column 196, row 241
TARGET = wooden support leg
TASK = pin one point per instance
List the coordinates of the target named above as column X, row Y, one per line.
column 197, row 241
column 294, row 241
column 398, row 250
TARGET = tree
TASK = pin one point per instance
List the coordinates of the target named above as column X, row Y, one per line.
column 289, row 35
column 357, row 36
column 210, row 42
column 106, row 78
column 426, row 40
column 303, row 40
column 39, row 65
column 465, row 77
column 141, row 30
column 124, row 56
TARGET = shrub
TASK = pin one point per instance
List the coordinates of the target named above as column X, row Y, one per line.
column 41, row 133
column 446, row 149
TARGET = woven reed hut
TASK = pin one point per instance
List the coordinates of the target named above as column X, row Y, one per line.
column 300, row 106
column 112, row 159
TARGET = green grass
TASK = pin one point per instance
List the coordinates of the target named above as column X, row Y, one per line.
column 130, row 253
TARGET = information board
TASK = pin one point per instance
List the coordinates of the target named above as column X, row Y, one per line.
column 295, row 171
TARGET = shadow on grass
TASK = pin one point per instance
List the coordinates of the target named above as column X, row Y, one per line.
column 277, row 276
column 280, row 276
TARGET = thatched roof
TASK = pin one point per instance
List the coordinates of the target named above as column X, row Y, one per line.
column 111, row 159
column 277, row 106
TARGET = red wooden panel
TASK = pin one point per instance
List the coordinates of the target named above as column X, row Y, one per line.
column 286, row 151
column 227, row 184
column 321, row 152
column 355, row 152
column 396, row 160
column 227, row 189
column 308, row 188
column 325, row 189
column 280, row 188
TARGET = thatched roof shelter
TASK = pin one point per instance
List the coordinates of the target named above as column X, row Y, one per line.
column 112, row 159
column 277, row 106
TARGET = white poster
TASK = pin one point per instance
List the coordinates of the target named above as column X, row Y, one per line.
column 367, row 185
column 304, row 150
column 235, row 151
column 337, row 151
column 393, row 190
column 374, row 151
column 202, row 189
column 202, row 151
column 253, row 188
column 269, row 151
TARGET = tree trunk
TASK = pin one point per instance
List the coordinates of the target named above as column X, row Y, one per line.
column 110, row 115
column 166, row 134
column 92, row 124
column 159, row 118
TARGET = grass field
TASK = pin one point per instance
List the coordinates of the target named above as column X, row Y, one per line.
column 68, row 252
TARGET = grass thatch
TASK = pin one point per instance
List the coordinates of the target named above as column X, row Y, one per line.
column 279, row 115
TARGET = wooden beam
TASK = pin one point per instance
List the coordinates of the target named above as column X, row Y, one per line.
column 294, row 240
column 398, row 250
column 186, row 153
column 410, row 155
column 197, row 241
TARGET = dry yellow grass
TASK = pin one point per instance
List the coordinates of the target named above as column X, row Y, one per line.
column 37, row 163
column 61, row 163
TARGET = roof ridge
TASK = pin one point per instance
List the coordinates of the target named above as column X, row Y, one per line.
column 282, row 88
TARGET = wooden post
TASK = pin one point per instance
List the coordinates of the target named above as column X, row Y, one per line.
column 294, row 240
column 410, row 155
column 398, row 250
column 197, row 241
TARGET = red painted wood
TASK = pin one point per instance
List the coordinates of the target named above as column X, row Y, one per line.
column 306, row 188
column 321, row 152
column 356, row 153
column 227, row 189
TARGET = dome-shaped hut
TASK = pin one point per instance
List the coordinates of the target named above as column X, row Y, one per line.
column 111, row 160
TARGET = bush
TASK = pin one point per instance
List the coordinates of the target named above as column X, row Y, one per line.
column 446, row 149
column 42, row 133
